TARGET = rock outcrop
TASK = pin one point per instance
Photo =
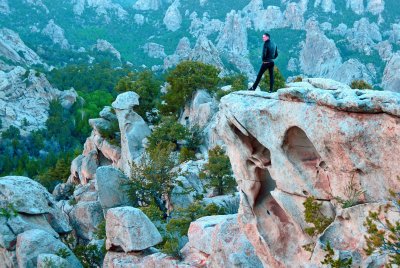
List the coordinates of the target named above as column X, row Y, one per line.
column 130, row 229
column 4, row 8
column 33, row 220
column 103, row 8
column 154, row 50
column 217, row 241
column 391, row 79
column 14, row 49
column 147, row 4
column 25, row 96
column 173, row 17
column 56, row 34
column 105, row 46
column 311, row 139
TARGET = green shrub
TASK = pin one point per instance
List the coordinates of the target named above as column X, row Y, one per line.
column 147, row 86
column 186, row 155
column 279, row 80
column 184, row 80
column 57, row 174
column 218, row 171
column 8, row 211
column 298, row 79
column 63, row 253
column 89, row 255
column 100, row 233
column 339, row 263
column 314, row 216
column 360, row 84
column 110, row 134
column 169, row 131
column 383, row 235
column 237, row 81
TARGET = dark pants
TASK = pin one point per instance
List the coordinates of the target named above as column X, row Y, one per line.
column 263, row 68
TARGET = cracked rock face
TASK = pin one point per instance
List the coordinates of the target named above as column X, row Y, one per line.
column 56, row 34
column 310, row 139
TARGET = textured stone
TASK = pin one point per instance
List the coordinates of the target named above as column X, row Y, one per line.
column 322, row 139
column 173, row 18
column 110, row 186
column 56, row 34
column 105, row 46
column 218, row 242
column 43, row 261
column 32, row 243
column 130, row 229
column 8, row 258
column 391, row 79
column 154, row 50
column 85, row 218
column 147, row 5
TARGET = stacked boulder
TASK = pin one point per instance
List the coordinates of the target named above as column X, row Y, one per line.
column 31, row 225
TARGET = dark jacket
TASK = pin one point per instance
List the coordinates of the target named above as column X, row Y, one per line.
column 270, row 51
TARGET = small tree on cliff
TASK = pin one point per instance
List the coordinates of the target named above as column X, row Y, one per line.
column 152, row 179
column 218, row 171
column 184, row 80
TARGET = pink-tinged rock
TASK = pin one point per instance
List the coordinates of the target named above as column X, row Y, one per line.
column 130, row 229
column 303, row 142
column 217, row 241
column 152, row 259
column 346, row 235
column 32, row 243
column 8, row 258
column 85, row 218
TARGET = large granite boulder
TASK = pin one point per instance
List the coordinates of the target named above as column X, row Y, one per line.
column 391, row 79
column 130, row 229
column 217, row 241
column 110, row 187
column 85, row 218
column 173, row 17
column 32, row 243
column 314, row 138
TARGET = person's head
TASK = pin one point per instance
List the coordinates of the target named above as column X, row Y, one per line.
column 265, row 37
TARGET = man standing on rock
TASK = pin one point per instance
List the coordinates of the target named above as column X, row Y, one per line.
column 270, row 52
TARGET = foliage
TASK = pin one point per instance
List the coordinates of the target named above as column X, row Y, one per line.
column 152, row 178
column 360, row 84
column 186, row 154
column 218, row 171
column 298, row 79
column 237, row 82
column 339, row 263
column 49, row 263
column 63, row 253
column 352, row 195
column 89, row 255
column 110, row 132
column 8, row 211
column 383, row 234
column 178, row 226
column 169, row 131
column 146, row 85
column 314, row 216
column 279, row 80
column 184, row 80
column 100, row 233
column 57, row 174
column 153, row 212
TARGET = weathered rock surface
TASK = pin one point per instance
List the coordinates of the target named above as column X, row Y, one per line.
column 56, row 34
column 33, row 243
column 217, row 241
column 103, row 8
column 173, row 17
column 110, row 186
column 85, row 218
column 141, row 259
column 303, row 141
column 45, row 260
column 319, row 56
column 105, row 46
column 147, row 5
column 154, row 50
column 325, row 5
column 133, row 129
column 130, row 229
column 391, row 79
column 363, row 36
column 14, row 49
column 4, row 8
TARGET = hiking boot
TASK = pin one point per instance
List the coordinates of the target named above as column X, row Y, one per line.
column 251, row 89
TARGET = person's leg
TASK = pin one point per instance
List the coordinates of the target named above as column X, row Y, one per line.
column 271, row 76
column 263, row 68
